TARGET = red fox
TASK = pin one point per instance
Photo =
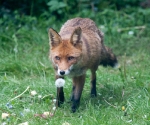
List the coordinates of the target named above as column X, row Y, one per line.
column 75, row 49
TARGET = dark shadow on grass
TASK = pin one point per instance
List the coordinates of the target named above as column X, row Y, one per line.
column 106, row 97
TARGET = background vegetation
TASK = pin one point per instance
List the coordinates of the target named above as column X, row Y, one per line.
column 123, row 93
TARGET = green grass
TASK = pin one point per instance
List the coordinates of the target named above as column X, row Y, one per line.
column 24, row 62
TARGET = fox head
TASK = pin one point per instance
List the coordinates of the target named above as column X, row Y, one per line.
column 65, row 53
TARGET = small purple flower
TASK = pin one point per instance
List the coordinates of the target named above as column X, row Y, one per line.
column 8, row 119
column 8, row 105
column 21, row 114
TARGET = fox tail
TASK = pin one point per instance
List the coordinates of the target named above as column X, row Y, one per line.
column 108, row 58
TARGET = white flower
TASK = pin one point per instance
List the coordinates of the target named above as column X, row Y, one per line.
column 26, row 110
column 25, row 123
column 5, row 115
column 130, row 32
column 4, row 123
column 15, row 50
column 46, row 113
column 129, row 121
column 145, row 116
column 66, row 123
column 39, row 96
column 80, row 116
column 54, row 108
column 102, row 27
column 59, row 82
column 33, row 93
column 54, row 100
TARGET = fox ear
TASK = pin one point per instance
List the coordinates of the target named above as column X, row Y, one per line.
column 76, row 38
column 54, row 38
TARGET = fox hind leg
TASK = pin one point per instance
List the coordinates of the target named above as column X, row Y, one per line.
column 93, row 83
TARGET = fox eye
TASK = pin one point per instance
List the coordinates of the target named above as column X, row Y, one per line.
column 57, row 57
column 70, row 57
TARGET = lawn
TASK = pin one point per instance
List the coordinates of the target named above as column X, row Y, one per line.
column 123, row 93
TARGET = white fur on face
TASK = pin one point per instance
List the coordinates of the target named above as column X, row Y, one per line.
column 67, row 71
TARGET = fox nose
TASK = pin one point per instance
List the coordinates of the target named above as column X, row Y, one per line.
column 62, row 72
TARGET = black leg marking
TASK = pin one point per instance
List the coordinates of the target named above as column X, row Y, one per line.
column 60, row 96
column 78, row 84
column 75, row 105
column 93, row 88
column 75, row 102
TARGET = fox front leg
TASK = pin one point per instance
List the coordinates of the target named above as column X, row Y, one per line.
column 78, row 84
column 60, row 94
